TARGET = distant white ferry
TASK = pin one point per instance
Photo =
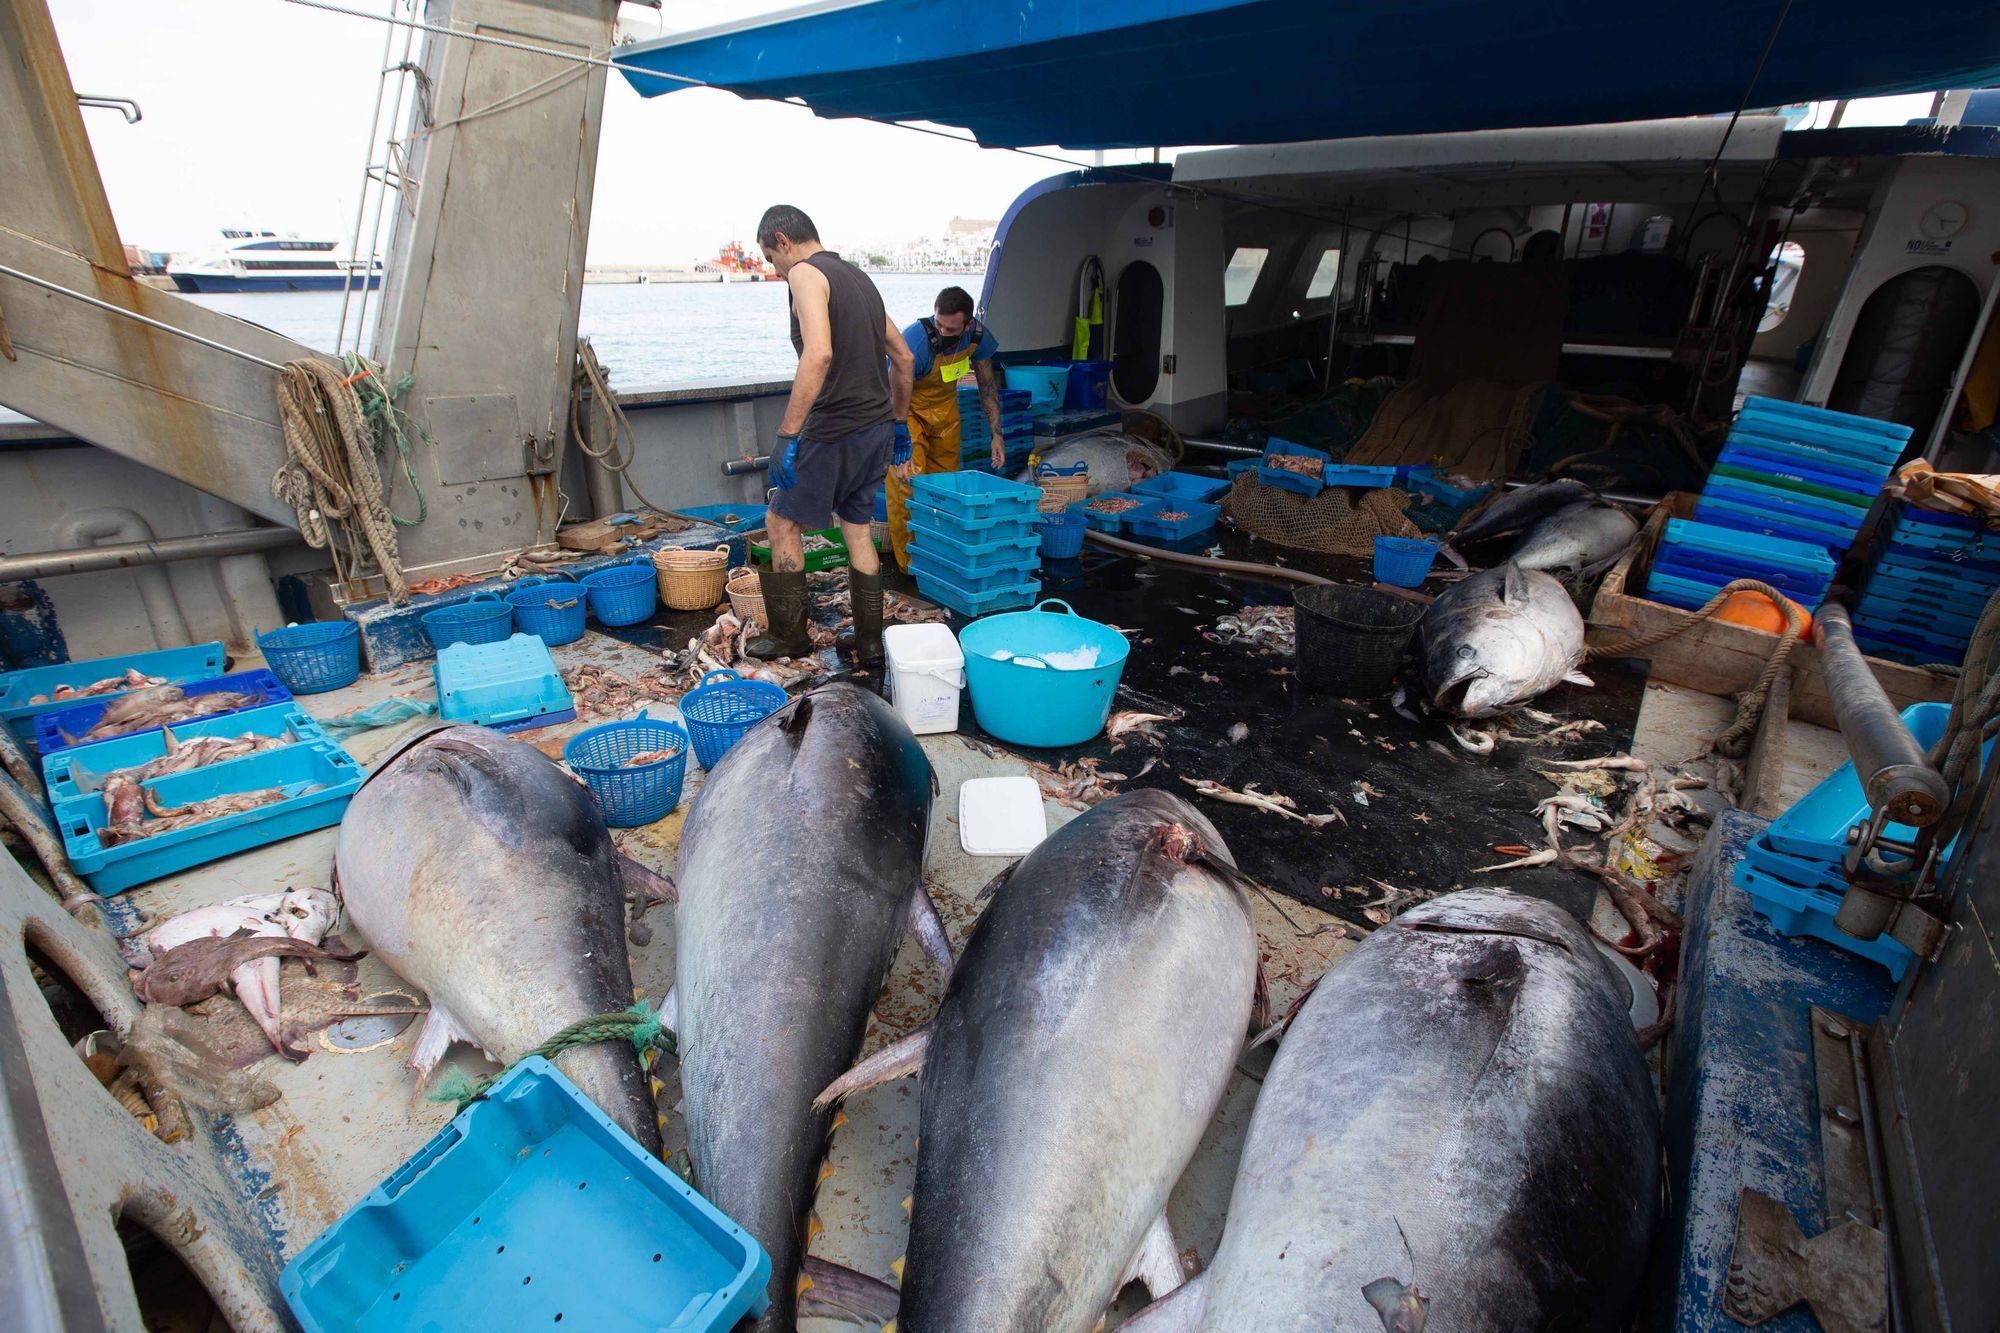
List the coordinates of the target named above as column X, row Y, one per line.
column 263, row 261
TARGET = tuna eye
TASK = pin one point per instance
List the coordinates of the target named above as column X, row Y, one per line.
column 1465, row 650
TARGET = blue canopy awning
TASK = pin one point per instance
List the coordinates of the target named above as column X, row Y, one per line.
column 1138, row 73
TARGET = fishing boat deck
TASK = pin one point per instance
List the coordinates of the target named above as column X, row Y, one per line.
column 350, row 1113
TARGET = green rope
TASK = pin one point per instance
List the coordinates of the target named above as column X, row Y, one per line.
column 378, row 407
column 641, row 1025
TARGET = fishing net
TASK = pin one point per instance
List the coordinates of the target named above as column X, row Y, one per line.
column 1613, row 443
column 1336, row 521
column 1476, row 428
column 1332, row 421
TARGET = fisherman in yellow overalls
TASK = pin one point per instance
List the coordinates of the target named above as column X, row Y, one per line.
column 946, row 347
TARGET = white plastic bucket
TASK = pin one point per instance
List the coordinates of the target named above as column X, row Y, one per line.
column 926, row 673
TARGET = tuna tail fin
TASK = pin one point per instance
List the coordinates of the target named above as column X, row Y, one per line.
column 891, row 1062
column 1401, row 1308
column 828, row 1291
column 1278, row 1029
column 1179, row 1312
column 1450, row 552
column 793, row 721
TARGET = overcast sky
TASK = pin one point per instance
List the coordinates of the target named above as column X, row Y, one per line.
column 257, row 111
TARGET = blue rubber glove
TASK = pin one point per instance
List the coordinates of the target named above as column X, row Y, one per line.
column 784, row 460
column 899, row 445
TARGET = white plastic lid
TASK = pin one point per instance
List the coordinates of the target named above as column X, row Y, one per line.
column 1001, row 816
column 929, row 647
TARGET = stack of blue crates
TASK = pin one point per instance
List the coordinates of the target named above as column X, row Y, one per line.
column 1696, row 559
column 1051, row 426
column 975, row 541
column 1930, row 580
column 975, row 437
column 1802, row 473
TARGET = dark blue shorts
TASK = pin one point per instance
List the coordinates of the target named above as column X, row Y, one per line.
column 836, row 478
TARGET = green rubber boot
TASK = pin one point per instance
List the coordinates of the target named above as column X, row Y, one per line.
column 785, row 600
column 864, row 642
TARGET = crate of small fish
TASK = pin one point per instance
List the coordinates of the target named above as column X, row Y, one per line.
column 1112, row 511
column 29, row 693
column 133, row 830
column 824, row 549
column 177, row 749
column 157, row 706
column 1173, row 521
column 1293, row 467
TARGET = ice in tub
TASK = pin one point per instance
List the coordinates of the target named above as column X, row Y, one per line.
column 1071, row 659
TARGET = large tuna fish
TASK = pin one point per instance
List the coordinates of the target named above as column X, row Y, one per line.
column 1458, row 1135
column 1498, row 639
column 1087, row 1034
column 482, row 872
column 1577, row 537
column 1519, row 510
column 800, row 867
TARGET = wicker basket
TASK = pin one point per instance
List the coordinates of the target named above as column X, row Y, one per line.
column 1053, row 504
column 691, row 580
column 1067, row 489
column 746, row 596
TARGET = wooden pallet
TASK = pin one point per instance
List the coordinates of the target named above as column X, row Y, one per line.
column 1720, row 658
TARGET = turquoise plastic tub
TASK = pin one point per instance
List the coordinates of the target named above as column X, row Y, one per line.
column 1046, row 385
column 1020, row 696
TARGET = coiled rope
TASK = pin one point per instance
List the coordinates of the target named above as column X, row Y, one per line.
column 641, row 1025
column 1750, row 703
column 588, row 383
column 331, row 477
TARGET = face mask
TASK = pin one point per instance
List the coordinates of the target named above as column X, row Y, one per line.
column 942, row 343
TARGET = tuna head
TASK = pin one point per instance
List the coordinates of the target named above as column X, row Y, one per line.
column 1497, row 640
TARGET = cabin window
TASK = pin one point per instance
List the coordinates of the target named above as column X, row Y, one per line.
column 1791, row 263
column 1240, row 278
column 1325, row 274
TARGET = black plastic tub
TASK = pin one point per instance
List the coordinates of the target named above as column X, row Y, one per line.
column 1350, row 639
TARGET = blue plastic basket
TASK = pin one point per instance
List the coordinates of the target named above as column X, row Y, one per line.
column 553, row 615
column 1404, row 561
column 1089, row 384
column 529, row 1208
column 718, row 715
column 480, row 618
column 635, row 795
column 1062, row 535
column 314, row 658
column 177, row 665
column 622, row 594
column 261, row 688
column 1029, row 702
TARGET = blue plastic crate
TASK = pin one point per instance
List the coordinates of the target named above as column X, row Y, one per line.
column 509, row 686
column 1754, row 518
column 1792, row 910
column 951, row 595
column 178, row 665
column 1812, row 470
column 1183, row 486
column 927, row 563
column 259, row 687
column 530, row 1207
column 1238, row 466
column 631, row 795
column 1894, row 646
column 78, row 771
column 1106, row 522
column 1702, row 567
column 975, row 556
column 1355, row 476
column 1292, row 481
column 1777, row 499
column 1075, row 421
column 737, row 518
column 1148, row 525
column 1862, row 435
column 1808, row 556
column 318, row 778
column 1013, row 523
column 974, row 495
column 722, row 709
column 1687, row 594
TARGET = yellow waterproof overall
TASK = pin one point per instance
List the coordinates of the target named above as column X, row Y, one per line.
column 933, row 440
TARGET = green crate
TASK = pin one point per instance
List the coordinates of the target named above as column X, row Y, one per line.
column 760, row 550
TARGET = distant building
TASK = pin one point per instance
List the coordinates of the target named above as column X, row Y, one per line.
column 963, row 248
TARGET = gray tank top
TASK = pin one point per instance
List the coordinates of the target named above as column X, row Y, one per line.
column 856, row 393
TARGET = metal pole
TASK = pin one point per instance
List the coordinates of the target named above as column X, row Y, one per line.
column 210, row 343
column 129, row 555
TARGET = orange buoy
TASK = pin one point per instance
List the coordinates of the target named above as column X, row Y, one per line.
column 1757, row 611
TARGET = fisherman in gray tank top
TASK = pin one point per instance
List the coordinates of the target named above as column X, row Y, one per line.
column 846, row 424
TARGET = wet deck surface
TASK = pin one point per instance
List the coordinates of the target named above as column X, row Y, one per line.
column 348, row 1117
